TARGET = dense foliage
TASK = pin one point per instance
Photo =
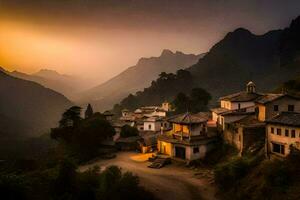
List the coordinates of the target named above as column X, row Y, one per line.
column 128, row 131
column 82, row 137
column 197, row 101
column 166, row 88
column 270, row 179
column 65, row 182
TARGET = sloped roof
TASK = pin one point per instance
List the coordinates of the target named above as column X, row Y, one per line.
column 219, row 110
column 267, row 98
column 286, row 118
column 188, row 118
column 153, row 119
column 237, row 112
column 250, row 121
column 241, row 97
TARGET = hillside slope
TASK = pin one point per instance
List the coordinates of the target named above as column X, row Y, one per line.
column 242, row 56
column 268, row 60
column 27, row 107
column 136, row 78
column 64, row 84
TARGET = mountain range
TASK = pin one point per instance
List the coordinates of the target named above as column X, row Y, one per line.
column 27, row 108
column 67, row 85
column 241, row 56
column 136, row 78
column 268, row 60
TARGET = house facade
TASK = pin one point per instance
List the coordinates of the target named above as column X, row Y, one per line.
column 153, row 124
column 241, row 102
column 189, row 138
column 282, row 132
column 271, row 105
column 245, row 133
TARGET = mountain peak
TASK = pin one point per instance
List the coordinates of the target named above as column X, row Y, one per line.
column 166, row 52
column 240, row 32
column 2, row 69
column 48, row 72
column 295, row 23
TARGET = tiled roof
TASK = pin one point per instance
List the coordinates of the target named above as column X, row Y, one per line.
column 153, row 119
column 250, row 121
column 219, row 110
column 286, row 118
column 241, row 97
column 272, row 97
column 237, row 112
column 196, row 141
column 188, row 118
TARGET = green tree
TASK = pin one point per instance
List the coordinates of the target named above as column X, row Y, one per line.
column 199, row 99
column 65, row 184
column 89, row 111
column 128, row 131
column 85, row 139
column 181, row 103
column 71, row 117
column 13, row 187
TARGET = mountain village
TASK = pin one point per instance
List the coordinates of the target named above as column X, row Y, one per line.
column 246, row 120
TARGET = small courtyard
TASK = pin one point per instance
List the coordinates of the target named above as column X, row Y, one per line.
column 175, row 181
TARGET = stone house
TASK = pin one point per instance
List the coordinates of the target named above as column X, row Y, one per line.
column 282, row 132
column 245, row 133
column 271, row 105
column 242, row 102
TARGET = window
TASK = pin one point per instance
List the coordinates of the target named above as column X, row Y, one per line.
column 287, row 133
column 278, row 148
column 196, row 150
column 291, row 108
column 272, row 130
column 279, row 131
column 239, row 106
column 293, row 133
column 276, row 108
column 149, row 126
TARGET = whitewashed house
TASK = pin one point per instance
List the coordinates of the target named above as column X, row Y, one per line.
column 234, row 106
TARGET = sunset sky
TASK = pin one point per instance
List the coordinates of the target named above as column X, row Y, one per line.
column 98, row 39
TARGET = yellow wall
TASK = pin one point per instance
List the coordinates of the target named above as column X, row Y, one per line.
column 180, row 128
column 261, row 113
column 164, row 147
column 282, row 139
column 226, row 104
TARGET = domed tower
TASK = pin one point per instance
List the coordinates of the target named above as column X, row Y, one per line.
column 251, row 87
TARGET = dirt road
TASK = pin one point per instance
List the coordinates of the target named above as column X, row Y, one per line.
column 174, row 182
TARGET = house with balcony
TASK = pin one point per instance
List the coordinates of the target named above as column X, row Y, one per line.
column 189, row 139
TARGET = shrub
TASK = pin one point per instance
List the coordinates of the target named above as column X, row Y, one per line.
column 128, row 131
column 13, row 187
column 228, row 174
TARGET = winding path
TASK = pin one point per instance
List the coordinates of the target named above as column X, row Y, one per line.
column 174, row 182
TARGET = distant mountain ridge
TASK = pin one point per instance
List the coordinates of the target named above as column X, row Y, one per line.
column 268, row 60
column 240, row 57
column 136, row 78
column 27, row 108
column 65, row 84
